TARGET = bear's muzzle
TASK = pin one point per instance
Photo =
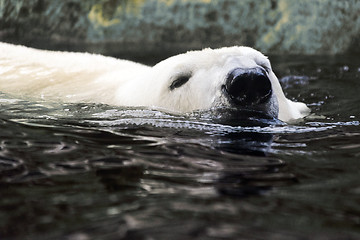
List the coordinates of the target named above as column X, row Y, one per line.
column 248, row 87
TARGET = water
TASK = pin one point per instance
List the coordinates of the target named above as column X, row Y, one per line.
column 91, row 171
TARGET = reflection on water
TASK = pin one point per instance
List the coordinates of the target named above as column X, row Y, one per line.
column 92, row 171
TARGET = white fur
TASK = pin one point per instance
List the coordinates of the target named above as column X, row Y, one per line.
column 83, row 77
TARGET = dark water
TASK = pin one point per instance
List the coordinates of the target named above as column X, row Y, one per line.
column 87, row 171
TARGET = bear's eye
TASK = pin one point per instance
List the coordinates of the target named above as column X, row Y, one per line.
column 179, row 81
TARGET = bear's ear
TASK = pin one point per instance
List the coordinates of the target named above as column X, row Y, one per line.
column 179, row 81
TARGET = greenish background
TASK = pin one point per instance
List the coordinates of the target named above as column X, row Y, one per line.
column 147, row 26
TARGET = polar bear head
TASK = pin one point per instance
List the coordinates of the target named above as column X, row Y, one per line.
column 234, row 77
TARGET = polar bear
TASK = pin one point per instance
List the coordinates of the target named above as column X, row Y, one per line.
column 231, row 77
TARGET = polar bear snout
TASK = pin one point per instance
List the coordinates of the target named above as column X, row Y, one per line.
column 248, row 87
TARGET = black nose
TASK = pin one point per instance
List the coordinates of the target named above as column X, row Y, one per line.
column 248, row 87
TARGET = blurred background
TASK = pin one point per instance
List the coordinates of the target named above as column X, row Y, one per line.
column 138, row 28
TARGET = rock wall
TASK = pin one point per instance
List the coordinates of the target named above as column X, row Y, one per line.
column 108, row 26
